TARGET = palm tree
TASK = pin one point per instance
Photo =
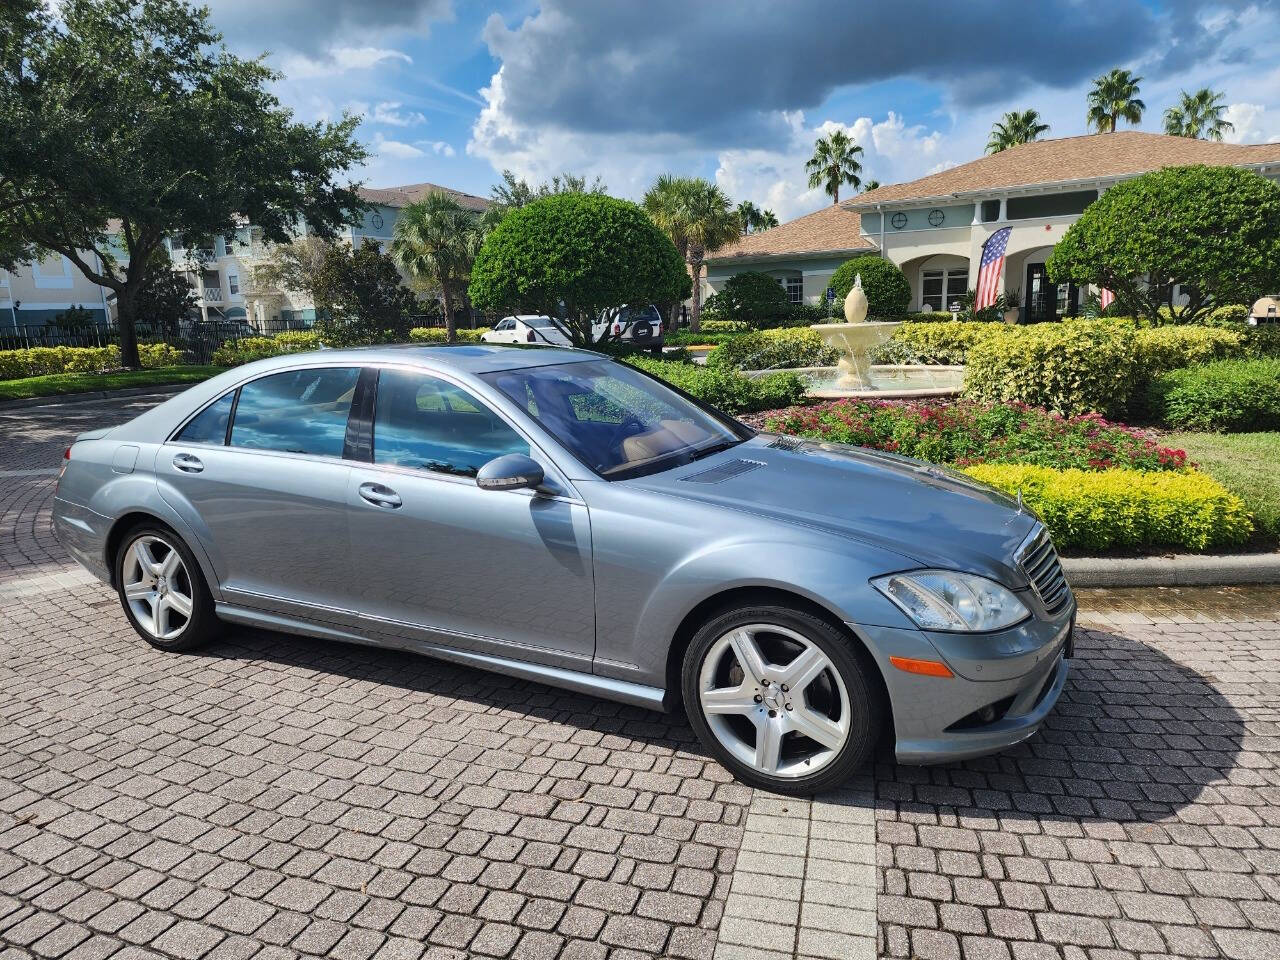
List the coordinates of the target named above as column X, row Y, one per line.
column 1198, row 115
column 712, row 224
column 1015, row 128
column 869, row 185
column 435, row 242
column 834, row 162
column 697, row 217
column 768, row 220
column 1114, row 97
column 749, row 216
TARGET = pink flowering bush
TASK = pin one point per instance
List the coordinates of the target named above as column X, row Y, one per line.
column 963, row 434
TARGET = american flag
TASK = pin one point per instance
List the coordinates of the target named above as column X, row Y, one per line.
column 992, row 265
column 1106, row 298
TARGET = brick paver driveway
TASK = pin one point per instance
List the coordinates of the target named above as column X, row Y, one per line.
column 272, row 796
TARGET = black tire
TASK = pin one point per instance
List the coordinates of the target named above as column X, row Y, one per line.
column 202, row 625
column 867, row 704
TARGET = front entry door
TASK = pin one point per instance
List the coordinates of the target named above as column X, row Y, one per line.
column 1046, row 300
column 500, row 572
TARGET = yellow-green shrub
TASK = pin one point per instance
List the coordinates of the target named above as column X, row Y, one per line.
column 437, row 334
column 1073, row 367
column 1159, row 349
column 944, row 342
column 259, row 348
column 159, row 355
column 40, row 361
column 1125, row 509
column 783, row 348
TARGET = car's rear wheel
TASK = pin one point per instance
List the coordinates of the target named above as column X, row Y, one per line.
column 782, row 698
column 162, row 589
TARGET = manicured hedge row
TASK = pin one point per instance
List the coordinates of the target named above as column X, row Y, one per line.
column 1229, row 395
column 259, row 348
column 1125, row 509
column 943, row 342
column 683, row 338
column 1071, row 368
column 727, row 390
column 40, row 361
column 439, row 334
column 773, row 350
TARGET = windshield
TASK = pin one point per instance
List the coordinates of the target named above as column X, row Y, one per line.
column 538, row 322
column 617, row 420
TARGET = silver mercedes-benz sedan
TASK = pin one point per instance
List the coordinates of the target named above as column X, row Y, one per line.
column 557, row 516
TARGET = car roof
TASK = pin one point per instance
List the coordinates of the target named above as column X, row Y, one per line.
column 466, row 358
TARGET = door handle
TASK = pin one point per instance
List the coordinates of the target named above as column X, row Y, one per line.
column 188, row 463
column 380, row 496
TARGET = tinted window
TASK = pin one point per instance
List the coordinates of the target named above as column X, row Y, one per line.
column 430, row 424
column 210, row 424
column 302, row 411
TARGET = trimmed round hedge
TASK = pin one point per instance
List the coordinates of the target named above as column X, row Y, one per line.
column 886, row 287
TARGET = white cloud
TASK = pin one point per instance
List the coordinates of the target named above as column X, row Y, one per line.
column 389, row 112
column 439, row 147
column 339, row 60
column 398, row 149
column 1253, row 124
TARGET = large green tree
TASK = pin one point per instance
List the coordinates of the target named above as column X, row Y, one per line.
column 1015, row 128
column 153, row 129
column 1114, row 97
column 1198, row 115
column 576, row 256
column 1215, row 231
column 834, row 163
column 435, row 243
column 360, row 297
column 748, row 217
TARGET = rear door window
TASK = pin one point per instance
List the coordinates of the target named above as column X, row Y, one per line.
column 299, row 411
column 210, row 424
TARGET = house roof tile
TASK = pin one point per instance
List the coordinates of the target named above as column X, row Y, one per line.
column 1101, row 155
column 833, row 229
column 413, row 192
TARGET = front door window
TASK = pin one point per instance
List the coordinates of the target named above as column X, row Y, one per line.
column 1046, row 300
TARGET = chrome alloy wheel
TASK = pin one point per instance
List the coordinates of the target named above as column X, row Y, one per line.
column 157, row 586
column 774, row 700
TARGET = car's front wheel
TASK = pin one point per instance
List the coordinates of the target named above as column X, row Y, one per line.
column 162, row 590
column 782, row 698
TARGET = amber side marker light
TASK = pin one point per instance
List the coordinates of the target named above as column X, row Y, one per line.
column 928, row 668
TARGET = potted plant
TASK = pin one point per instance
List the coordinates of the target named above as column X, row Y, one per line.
column 1012, row 302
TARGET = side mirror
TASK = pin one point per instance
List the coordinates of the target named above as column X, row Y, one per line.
column 514, row 471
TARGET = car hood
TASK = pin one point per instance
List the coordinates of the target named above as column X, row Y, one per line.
column 924, row 512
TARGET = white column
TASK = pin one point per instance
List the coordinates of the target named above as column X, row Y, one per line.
column 1004, row 209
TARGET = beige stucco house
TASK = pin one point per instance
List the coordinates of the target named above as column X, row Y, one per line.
column 223, row 272
column 933, row 228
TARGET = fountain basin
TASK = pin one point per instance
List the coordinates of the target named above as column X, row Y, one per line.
column 881, row 381
column 855, row 342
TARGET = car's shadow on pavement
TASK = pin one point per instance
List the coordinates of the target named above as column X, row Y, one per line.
column 440, row 685
column 1135, row 737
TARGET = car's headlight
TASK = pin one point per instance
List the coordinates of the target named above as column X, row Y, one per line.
column 947, row 600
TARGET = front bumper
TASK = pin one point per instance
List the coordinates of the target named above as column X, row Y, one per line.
column 938, row 719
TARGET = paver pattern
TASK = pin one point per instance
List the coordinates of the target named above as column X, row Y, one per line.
column 1143, row 820
column 274, row 796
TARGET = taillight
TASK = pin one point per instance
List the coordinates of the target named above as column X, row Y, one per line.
column 529, row 336
column 617, row 329
column 66, row 458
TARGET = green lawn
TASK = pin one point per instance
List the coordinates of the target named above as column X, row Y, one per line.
column 1247, row 464
column 60, row 383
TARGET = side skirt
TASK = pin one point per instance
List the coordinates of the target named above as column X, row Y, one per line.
column 635, row 694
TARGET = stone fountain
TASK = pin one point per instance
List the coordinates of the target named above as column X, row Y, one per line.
column 855, row 338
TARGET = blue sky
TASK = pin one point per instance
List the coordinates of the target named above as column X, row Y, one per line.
column 454, row 92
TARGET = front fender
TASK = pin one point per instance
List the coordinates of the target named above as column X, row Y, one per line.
column 834, row 577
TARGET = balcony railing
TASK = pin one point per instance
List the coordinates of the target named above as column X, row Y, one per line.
column 212, row 295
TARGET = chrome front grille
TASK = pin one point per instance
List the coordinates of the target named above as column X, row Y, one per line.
column 1039, row 562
